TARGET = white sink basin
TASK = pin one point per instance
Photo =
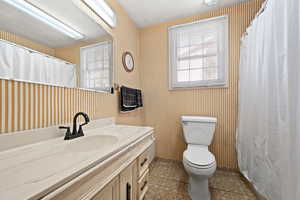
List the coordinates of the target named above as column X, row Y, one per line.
column 91, row 143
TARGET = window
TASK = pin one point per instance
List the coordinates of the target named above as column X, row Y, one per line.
column 96, row 66
column 198, row 54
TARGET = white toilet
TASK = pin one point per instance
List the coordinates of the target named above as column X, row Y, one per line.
column 198, row 161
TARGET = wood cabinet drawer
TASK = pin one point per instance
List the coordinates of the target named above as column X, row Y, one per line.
column 143, row 185
column 143, row 162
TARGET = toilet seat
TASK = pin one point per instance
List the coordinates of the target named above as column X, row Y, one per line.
column 199, row 157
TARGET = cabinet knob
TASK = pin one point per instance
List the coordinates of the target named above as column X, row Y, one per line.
column 144, row 185
column 128, row 191
column 144, row 162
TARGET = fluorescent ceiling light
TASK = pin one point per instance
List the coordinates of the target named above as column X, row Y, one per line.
column 44, row 17
column 103, row 10
column 210, row 2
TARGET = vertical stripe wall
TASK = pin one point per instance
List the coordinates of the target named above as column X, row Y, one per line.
column 163, row 108
column 27, row 106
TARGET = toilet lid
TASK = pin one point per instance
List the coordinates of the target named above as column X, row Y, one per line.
column 199, row 156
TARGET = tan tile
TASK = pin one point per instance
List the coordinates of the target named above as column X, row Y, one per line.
column 230, row 182
column 169, row 169
column 157, row 193
column 168, row 184
column 216, row 194
column 222, row 172
column 223, row 195
column 169, row 181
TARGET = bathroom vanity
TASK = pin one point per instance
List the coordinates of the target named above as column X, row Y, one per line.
column 109, row 163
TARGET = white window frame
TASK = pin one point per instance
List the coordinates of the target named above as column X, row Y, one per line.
column 108, row 89
column 223, row 64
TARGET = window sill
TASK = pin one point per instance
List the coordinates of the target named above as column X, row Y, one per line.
column 199, row 87
column 93, row 90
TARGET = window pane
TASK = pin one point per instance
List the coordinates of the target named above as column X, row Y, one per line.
column 97, row 75
column 211, row 61
column 210, row 48
column 105, row 73
column 91, row 55
column 92, row 76
column 182, row 64
column 98, row 83
column 100, row 52
column 212, row 37
column 196, row 38
column 183, row 76
column 196, row 75
column 210, row 73
column 197, row 63
column 183, row 52
column 105, row 83
column 91, row 83
column 106, row 64
column 182, row 39
column 196, row 50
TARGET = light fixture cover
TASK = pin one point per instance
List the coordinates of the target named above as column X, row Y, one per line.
column 102, row 9
column 44, row 17
column 211, row 2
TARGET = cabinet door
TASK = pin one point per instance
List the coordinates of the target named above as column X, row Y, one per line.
column 109, row 192
column 128, row 183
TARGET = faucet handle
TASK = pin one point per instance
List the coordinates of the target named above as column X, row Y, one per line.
column 64, row 127
column 80, row 131
column 68, row 133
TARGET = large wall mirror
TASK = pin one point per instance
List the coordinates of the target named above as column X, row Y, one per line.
column 81, row 50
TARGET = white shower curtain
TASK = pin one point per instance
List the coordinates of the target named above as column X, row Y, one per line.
column 268, row 136
column 21, row 64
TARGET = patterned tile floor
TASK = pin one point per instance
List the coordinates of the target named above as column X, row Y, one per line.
column 169, row 181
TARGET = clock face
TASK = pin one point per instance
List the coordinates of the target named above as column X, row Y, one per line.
column 128, row 61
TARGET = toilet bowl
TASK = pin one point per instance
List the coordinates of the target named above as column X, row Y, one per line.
column 200, row 164
column 198, row 161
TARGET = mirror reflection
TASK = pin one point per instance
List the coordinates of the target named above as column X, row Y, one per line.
column 79, row 52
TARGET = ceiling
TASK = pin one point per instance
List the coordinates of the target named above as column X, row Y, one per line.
column 149, row 12
column 22, row 24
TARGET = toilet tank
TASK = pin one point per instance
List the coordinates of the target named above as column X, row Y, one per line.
column 198, row 130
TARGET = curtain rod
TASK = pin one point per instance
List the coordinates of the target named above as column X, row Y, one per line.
column 34, row 51
column 261, row 10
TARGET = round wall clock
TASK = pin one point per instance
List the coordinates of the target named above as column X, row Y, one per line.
column 128, row 61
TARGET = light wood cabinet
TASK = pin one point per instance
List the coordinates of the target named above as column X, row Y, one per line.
column 143, row 162
column 109, row 192
column 123, row 187
column 143, row 185
column 143, row 171
column 128, row 183
column 123, row 177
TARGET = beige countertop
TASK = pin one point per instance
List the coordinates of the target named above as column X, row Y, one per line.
column 30, row 171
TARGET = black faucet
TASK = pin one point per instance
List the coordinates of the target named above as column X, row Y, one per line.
column 75, row 133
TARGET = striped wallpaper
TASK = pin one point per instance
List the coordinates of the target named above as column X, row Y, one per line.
column 26, row 106
column 163, row 108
